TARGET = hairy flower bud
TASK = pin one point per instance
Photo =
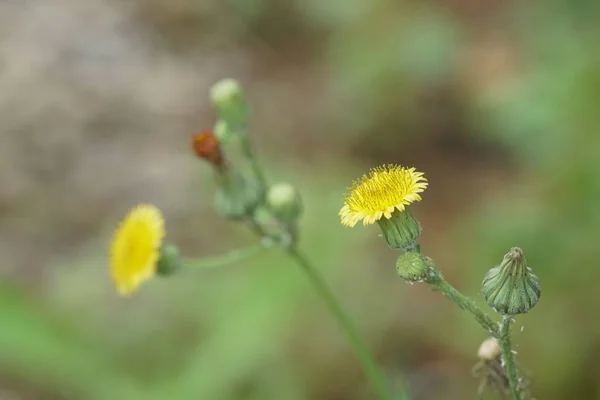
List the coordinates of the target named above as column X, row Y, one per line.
column 511, row 287
column 228, row 98
column 284, row 202
column 412, row 266
column 169, row 261
column 223, row 132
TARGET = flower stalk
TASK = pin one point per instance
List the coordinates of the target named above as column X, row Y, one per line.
column 438, row 283
column 233, row 256
column 507, row 355
column 373, row 372
column 288, row 241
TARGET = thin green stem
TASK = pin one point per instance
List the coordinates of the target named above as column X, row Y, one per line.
column 249, row 153
column 287, row 239
column 227, row 258
column 509, row 360
column 374, row 374
column 438, row 282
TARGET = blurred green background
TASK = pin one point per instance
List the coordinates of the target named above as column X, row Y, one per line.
column 497, row 102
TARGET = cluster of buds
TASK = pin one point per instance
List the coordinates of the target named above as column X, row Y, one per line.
column 237, row 194
column 241, row 191
column 139, row 251
column 402, row 232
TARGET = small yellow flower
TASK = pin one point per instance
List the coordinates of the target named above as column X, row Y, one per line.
column 135, row 248
column 385, row 189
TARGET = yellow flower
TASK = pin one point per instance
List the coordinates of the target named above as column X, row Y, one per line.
column 135, row 248
column 385, row 189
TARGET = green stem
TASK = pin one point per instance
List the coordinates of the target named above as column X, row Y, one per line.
column 249, row 153
column 374, row 374
column 228, row 258
column 287, row 238
column 509, row 361
column 438, row 282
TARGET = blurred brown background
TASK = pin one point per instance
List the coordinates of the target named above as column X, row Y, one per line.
column 497, row 102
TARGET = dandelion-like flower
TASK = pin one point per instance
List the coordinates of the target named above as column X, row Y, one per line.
column 377, row 195
column 135, row 248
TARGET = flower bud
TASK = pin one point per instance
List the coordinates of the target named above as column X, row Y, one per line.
column 169, row 261
column 401, row 231
column 223, row 132
column 237, row 195
column 228, row 98
column 284, row 202
column 412, row 266
column 206, row 146
column 511, row 287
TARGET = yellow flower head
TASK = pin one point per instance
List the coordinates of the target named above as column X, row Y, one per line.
column 135, row 248
column 385, row 189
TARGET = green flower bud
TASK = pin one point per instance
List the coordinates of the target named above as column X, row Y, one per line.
column 511, row 287
column 237, row 195
column 284, row 202
column 169, row 261
column 412, row 266
column 223, row 132
column 228, row 98
column 401, row 231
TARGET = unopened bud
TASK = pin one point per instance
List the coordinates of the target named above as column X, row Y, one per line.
column 511, row 287
column 413, row 266
column 223, row 132
column 284, row 202
column 169, row 261
column 228, row 98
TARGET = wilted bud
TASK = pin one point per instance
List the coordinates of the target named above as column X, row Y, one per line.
column 237, row 195
column 284, row 202
column 229, row 100
column 511, row 287
column 412, row 266
column 207, row 146
column 492, row 373
column 401, row 231
column 489, row 350
column 170, row 261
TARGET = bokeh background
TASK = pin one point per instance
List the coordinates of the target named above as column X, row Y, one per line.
column 497, row 102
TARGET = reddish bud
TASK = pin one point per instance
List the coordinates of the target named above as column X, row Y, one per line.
column 207, row 146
